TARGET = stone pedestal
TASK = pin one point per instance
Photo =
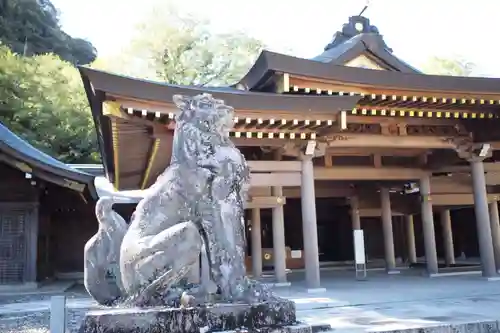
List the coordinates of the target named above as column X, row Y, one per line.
column 213, row 318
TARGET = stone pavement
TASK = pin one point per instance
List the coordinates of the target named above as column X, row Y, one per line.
column 382, row 302
column 396, row 302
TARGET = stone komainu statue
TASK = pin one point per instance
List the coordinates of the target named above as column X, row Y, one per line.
column 101, row 254
column 195, row 204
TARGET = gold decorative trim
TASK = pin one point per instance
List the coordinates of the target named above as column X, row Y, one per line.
column 239, row 120
column 431, row 99
column 273, row 135
column 111, row 108
column 114, row 135
column 151, row 159
column 421, row 113
column 73, row 185
column 23, row 167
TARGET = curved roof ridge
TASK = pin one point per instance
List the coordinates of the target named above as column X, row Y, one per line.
column 119, row 85
column 13, row 145
column 277, row 62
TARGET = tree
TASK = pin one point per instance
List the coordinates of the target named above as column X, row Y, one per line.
column 453, row 67
column 43, row 101
column 177, row 48
column 31, row 27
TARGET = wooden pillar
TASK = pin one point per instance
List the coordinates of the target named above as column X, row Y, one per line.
column 410, row 239
column 256, row 244
column 355, row 217
column 279, row 251
column 390, row 257
column 309, row 224
column 449, row 251
column 428, row 226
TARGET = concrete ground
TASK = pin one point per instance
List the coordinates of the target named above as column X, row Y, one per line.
column 380, row 303
column 394, row 302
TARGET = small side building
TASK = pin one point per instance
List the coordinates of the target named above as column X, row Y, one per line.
column 46, row 214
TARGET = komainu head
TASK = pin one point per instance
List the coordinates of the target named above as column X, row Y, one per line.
column 205, row 113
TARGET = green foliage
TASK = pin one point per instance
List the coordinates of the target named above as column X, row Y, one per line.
column 177, row 48
column 42, row 100
column 31, row 27
column 453, row 67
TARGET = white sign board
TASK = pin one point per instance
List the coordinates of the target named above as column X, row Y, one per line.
column 359, row 247
column 296, row 254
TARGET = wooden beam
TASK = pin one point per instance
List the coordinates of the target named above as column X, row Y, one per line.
column 321, row 192
column 495, row 145
column 386, row 141
column 492, row 178
column 375, row 212
column 275, row 179
column 275, row 166
column 328, row 160
column 371, row 151
column 260, row 192
column 367, row 173
column 442, row 185
column 265, row 202
column 458, row 199
column 488, row 167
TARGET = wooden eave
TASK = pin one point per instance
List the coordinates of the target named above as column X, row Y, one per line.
column 380, row 98
column 129, row 90
column 19, row 154
column 130, row 114
column 142, row 139
column 380, row 81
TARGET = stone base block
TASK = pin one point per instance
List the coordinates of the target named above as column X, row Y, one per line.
column 213, row 318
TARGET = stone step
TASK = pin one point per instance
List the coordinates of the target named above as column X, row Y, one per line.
column 296, row 328
column 487, row 326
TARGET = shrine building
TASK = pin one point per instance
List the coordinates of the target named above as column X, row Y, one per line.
column 354, row 138
column 46, row 215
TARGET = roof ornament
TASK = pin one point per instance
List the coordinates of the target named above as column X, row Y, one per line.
column 367, row 4
column 357, row 25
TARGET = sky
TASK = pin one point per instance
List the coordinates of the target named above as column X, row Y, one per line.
column 416, row 30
